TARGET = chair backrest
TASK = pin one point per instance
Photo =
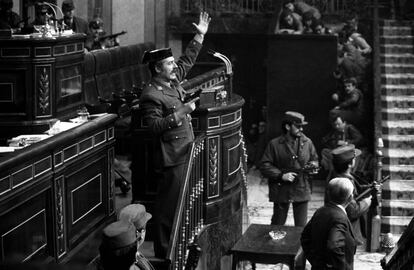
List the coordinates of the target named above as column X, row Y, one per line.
column 115, row 71
column 89, row 84
column 125, row 67
column 103, row 65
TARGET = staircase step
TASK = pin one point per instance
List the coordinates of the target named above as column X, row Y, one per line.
column 397, row 101
column 397, row 68
column 398, row 141
column 397, row 78
column 396, row 30
column 398, row 190
column 397, row 89
column 401, row 40
column 394, row 224
column 398, row 127
column 398, row 23
column 392, row 58
column 398, row 156
column 397, row 208
column 405, row 172
column 397, row 114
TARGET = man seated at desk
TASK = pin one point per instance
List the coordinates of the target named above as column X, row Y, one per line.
column 77, row 24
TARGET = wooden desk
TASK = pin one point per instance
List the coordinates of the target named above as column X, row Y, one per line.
column 257, row 246
column 56, row 192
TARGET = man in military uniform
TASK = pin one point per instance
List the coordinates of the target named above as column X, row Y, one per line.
column 167, row 117
column 283, row 163
column 343, row 160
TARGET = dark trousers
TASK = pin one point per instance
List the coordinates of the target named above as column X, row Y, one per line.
column 280, row 212
column 165, row 205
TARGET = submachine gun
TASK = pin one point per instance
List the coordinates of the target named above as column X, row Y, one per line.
column 112, row 37
column 310, row 168
column 371, row 188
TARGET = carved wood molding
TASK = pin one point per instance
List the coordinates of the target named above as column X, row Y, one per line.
column 213, row 167
column 44, row 91
column 60, row 217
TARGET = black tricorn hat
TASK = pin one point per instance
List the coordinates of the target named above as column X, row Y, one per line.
column 156, row 55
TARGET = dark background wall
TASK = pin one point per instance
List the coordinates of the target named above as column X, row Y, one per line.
column 299, row 78
column 247, row 53
column 282, row 72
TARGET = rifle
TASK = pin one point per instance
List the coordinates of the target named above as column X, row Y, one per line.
column 371, row 188
column 112, row 36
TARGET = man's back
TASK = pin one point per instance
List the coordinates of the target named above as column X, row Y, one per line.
column 327, row 238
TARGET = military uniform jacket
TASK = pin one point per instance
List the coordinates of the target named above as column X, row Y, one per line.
column 279, row 158
column 159, row 102
column 328, row 239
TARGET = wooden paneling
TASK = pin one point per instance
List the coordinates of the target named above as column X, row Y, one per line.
column 24, row 230
column 56, row 192
column 40, row 79
column 86, row 186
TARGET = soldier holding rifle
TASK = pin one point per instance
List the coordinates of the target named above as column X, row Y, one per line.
column 343, row 160
column 285, row 163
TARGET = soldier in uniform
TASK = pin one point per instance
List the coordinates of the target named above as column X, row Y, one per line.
column 282, row 163
column 167, row 117
column 343, row 160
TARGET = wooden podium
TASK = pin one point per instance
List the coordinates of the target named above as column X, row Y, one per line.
column 56, row 192
column 223, row 182
column 40, row 79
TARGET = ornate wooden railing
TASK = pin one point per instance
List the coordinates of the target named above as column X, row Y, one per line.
column 188, row 220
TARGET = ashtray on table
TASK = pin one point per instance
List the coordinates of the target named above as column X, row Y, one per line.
column 277, row 235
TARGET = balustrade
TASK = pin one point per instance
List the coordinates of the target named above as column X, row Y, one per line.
column 188, row 221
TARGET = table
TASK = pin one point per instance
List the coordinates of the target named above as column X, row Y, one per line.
column 257, row 246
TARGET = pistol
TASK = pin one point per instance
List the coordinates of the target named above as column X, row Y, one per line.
column 193, row 96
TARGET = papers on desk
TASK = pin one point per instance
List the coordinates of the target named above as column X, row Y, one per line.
column 8, row 149
column 25, row 140
column 61, row 126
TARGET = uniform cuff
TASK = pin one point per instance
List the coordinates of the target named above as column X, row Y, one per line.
column 173, row 121
column 198, row 38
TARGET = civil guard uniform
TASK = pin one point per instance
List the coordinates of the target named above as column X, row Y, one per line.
column 159, row 102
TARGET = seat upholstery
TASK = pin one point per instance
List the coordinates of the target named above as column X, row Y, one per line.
column 125, row 67
column 89, row 84
column 102, row 74
column 113, row 74
column 115, row 71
